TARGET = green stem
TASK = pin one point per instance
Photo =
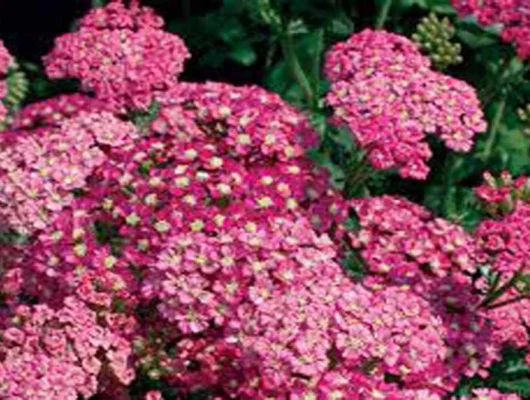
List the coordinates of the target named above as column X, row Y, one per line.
column 488, row 147
column 492, row 88
column 506, row 302
column 295, row 67
column 317, row 62
column 448, row 168
column 383, row 15
column 98, row 3
column 510, row 71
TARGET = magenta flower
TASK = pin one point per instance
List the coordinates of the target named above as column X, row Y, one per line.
column 59, row 354
column 41, row 168
column 384, row 91
column 121, row 54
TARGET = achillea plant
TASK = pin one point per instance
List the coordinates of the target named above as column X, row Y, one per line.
column 165, row 239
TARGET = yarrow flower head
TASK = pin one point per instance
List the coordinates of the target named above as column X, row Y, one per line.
column 401, row 239
column 60, row 353
column 121, row 54
column 258, row 285
column 199, row 219
column 384, row 91
column 505, row 242
column 248, row 119
column 402, row 243
column 206, row 223
column 137, row 192
column 395, row 326
column 511, row 15
column 196, row 253
column 52, row 112
column 40, row 169
column 5, row 59
column 509, row 321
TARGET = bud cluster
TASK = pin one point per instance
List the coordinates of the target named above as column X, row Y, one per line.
column 435, row 37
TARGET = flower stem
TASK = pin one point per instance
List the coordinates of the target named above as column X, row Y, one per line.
column 295, row 67
column 383, row 14
column 488, row 147
column 506, row 302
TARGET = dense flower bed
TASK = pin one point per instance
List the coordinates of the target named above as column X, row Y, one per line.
column 199, row 249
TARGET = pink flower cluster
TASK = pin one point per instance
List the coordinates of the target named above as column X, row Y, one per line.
column 396, row 326
column 59, row 354
column 400, row 239
column 500, row 194
column 6, row 60
column 344, row 384
column 505, row 242
column 512, row 15
column 51, row 112
column 510, row 321
column 265, row 298
column 203, row 252
column 121, row 54
column 206, row 223
column 40, row 168
column 402, row 243
column 220, row 184
column 247, row 118
column 384, row 91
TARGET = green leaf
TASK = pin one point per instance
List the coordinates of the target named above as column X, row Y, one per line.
column 232, row 32
column 519, row 386
column 297, row 27
column 319, row 122
column 243, row 54
column 354, row 265
column 341, row 26
column 476, row 40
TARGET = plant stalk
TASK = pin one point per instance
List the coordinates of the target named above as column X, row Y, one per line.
column 494, row 130
column 383, row 14
column 295, row 67
column 506, row 302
